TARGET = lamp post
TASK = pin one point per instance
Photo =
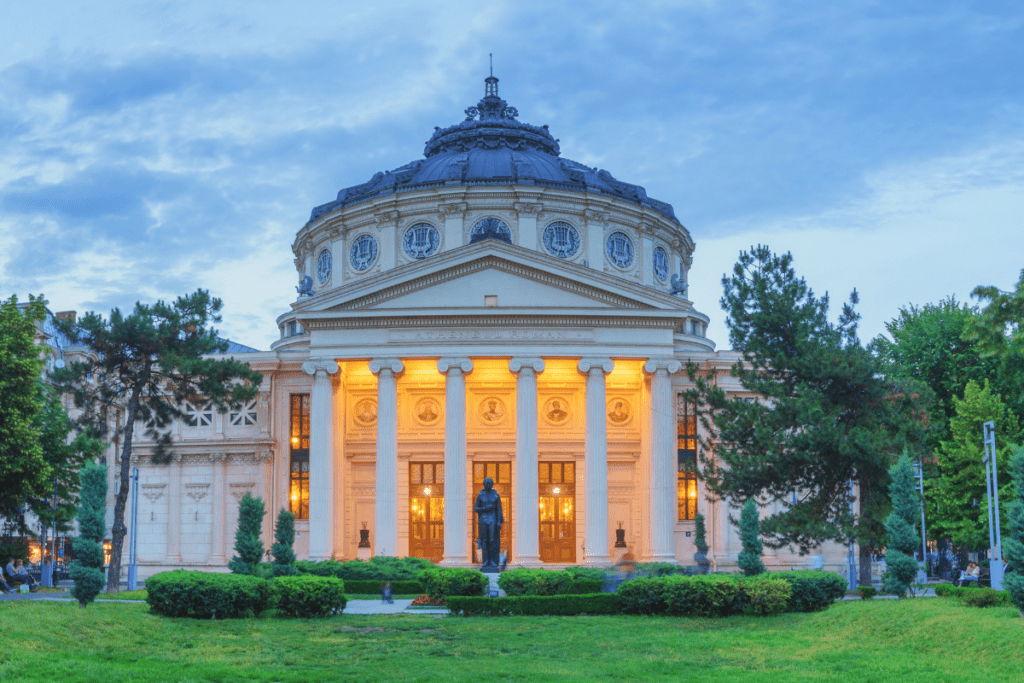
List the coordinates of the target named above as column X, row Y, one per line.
column 133, row 541
column 995, row 568
column 851, row 556
column 922, row 575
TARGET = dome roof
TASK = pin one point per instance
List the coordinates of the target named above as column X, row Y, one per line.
column 491, row 147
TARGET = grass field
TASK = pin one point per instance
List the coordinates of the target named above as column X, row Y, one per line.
column 912, row 640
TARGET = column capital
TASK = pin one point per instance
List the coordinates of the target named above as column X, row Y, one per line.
column 669, row 365
column 517, row 364
column 395, row 365
column 312, row 367
column 446, row 364
column 588, row 364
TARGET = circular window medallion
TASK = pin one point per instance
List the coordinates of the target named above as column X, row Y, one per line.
column 660, row 264
column 427, row 411
column 323, row 266
column 620, row 250
column 492, row 410
column 620, row 413
column 366, row 412
column 421, row 240
column 363, row 252
column 490, row 228
column 556, row 411
column 561, row 239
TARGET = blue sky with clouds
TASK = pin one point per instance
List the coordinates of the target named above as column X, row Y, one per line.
column 150, row 148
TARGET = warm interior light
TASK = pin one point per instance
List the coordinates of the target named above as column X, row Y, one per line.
column 295, row 496
column 295, row 439
column 542, row 504
column 426, row 491
column 557, row 490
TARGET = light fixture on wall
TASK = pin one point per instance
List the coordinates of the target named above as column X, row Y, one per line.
column 426, row 491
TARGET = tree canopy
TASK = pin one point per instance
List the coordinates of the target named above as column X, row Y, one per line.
column 148, row 366
column 819, row 415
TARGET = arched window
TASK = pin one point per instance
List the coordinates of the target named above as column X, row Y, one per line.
column 490, row 228
column 686, row 459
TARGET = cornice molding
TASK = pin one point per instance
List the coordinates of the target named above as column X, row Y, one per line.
column 406, row 321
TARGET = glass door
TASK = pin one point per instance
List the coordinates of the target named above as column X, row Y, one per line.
column 501, row 473
column 557, row 512
column 426, row 510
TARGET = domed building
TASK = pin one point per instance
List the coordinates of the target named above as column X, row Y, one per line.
column 492, row 309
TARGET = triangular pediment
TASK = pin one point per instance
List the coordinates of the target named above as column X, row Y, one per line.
column 519, row 278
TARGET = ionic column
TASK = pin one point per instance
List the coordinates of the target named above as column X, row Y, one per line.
column 321, row 460
column 595, row 551
column 174, row 510
column 662, row 507
column 385, row 532
column 219, row 517
column 456, row 532
column 526, row 532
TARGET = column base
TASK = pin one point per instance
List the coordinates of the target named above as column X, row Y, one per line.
column 527, row 563
column 671, row 559
column 456, row 562
column 596, row 561
column 217, row 559
column 172, row 559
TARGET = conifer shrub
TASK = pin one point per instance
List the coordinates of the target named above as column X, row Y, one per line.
column 87, row 569
column 443, row 582
column 203, row 595
column 1013, row 543
column 984, row 597
column 248, row 544
column 652, row 569
column 282, row 549
column 899, row 526
column 384, row 569
column 309, row 596
column 749, row 559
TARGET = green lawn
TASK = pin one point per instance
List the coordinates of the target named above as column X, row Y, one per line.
column 913, row 640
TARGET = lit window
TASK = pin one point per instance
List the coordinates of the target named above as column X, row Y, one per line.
column 298, row 495
column 686, row 459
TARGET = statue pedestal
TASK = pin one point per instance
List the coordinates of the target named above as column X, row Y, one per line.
column 364, row 553
column 493, row 589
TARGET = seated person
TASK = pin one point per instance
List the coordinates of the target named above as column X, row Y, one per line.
column 4, row 588
column 972, row 573
column 21, row 576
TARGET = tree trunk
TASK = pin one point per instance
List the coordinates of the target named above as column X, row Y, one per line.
column 118, row 529
column 864, row 579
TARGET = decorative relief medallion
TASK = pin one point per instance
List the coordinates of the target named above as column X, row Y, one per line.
column 492, row 410
column 620, row 249
column 196, row 491
column 427, row 411
column 490, row 228
column 366, row 412
column 620, row 412
column 660, row 264
column 561, row 239
column 421, row 240
column 556, row 411
column 363, row 252
column 152, row 492
column 323, row 266
column 238, row 491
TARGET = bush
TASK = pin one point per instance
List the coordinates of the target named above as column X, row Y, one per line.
column 749, row 558
column 248, row 544
column 867, row 592
column 561, row 605
column 812, row 590
column 653, row 569
column 397, row 587
column 1014, row 585
column 705, row 596
column 325, row 568
column 945, row 590
column 644, row 596
column 586, row 586
column 442, row 582
column 590, row 573
column 202, row 595
column 284, row 537
column 984, row 597
column 309, row 596
column 536, row 582
column 384, row 569
column 766, row 596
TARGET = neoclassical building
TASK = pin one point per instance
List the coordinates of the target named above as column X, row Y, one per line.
column 492, row 309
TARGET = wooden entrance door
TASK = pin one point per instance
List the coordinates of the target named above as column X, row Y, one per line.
column 557, row 512
column 426, row 510
column 501, row 473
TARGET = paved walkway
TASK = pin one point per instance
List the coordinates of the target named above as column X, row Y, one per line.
column 353, row 606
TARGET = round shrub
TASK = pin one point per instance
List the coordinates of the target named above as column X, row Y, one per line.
column 766, row 596
column 441, row 582
column 812, row 589
column 535, row 582
column 868, row 592
column 201, row 595
column 309, row 596
column 704, row 596
column 944, row 590
column 984, row 597
column 644, row 596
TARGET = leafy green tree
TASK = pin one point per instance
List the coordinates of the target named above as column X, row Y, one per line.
column 23, row 469
column 87, row 569
column 248, row 543
column 749, row 559
column 961, row 496
column 145, row 367
column 1000, row 328
column 1013, row 542
column 282, row 549
column 899, row 526
column 825, row 414
column 935, row 344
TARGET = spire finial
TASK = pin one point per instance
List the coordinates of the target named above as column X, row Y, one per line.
column 491, row 90
column 491, row 55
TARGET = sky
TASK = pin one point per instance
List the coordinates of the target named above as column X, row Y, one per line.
column 151, row 148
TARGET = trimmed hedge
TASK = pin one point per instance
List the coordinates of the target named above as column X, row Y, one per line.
column 586, row 586
column 376, row 569
column 536, row 582
column 812, row 589
column 309, row 596
column 442, row 582
column 397, row 587
column 560, row 605
column 974, row 597
column 202, row 595
column 766, row 596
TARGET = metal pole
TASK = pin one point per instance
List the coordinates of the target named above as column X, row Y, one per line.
column 923, row 576
column 852, row 556
column 133, row 541
column 995, row 565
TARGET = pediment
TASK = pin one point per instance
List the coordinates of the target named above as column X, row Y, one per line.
column 519, row 278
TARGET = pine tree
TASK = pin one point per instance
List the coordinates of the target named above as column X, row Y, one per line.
column 750, row 531
column 1013, row 542
column 961, row 494
column 284, row 535
column 247, row 539
column 899, row 525
column 87, row 569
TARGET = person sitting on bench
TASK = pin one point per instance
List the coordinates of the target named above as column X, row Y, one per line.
column 20, row 574
column 18, row 578
column 972, row 573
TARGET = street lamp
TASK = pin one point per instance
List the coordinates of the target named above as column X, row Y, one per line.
column 133, row 541
column 851, row 556
column 995, row 568
column 922, row 575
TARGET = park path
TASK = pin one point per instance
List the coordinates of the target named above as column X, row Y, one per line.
column 353, row 606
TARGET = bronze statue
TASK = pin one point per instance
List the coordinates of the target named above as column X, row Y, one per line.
column 489, row 520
